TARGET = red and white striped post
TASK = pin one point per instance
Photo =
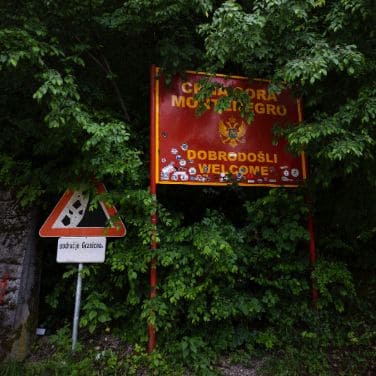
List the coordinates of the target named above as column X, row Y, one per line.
column 153, row 217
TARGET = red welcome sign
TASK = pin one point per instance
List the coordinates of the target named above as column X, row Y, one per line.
column 216, row 148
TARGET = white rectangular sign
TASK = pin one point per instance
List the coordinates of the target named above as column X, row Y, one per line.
column 81, row 249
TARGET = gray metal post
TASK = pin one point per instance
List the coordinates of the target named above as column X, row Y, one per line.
column 77, row 304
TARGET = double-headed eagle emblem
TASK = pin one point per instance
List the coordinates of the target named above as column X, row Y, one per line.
column 232, row 132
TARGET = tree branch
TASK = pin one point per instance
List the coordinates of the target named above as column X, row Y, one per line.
column 116, row 88
column 106, row 68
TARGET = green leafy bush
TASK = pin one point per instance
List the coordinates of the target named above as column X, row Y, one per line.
column 233, row 265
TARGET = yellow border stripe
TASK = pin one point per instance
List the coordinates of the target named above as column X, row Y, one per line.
column 157, row 118
column 227, row 185
column 227, row 76
column 157, row 173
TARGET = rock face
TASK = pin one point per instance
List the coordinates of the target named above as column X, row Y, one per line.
column 19, row 278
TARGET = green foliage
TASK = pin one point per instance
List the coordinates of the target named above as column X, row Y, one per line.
column 11, row 368
column 334, row 283
column 61, row 339
column 233, row 266
column 303, row 43
column 95, row 312
column 90, row 360
column 241, row 98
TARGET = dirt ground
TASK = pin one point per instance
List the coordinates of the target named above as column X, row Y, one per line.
column 44, row 349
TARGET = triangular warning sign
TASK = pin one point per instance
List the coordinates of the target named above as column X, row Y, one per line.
column 70, row 217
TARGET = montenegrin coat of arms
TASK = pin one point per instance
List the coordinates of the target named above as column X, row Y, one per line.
column 232, row 132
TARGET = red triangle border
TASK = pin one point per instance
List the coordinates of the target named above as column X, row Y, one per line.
column 117, row 230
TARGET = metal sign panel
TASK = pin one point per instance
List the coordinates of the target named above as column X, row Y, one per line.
column 216, row 148
column 70, row 217
column 81, row 249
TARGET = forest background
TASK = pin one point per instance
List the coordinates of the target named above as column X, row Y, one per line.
column 233, row 265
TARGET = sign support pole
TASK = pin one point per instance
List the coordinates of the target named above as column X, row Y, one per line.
column 153, row 276
column 312, row 245
column 77, row 305
column 178, row 143
column 312, row 255
column 153, row 217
